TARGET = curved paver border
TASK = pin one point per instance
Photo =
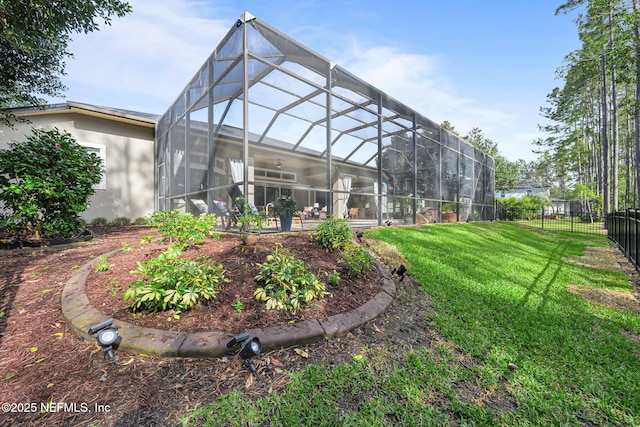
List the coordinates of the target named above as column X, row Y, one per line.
column 80, row 315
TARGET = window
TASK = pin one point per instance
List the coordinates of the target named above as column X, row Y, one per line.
column 100, row 151
column 274, row 175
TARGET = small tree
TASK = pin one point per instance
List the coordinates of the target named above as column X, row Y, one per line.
column 45, row 182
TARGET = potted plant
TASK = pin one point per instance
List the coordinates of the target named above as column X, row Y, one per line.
column 251, row 222
column 286, row 207
column 449, row 212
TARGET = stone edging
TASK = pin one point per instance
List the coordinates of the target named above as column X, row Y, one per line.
column 80, row 316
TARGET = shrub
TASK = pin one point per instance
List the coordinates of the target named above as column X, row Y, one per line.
column 121, row 221
column 171, row 282
column 333, row 233
column 102, row 265
column 250, row 220
column 286, row 206
column 524, row 208
column 357, row 260
column 183, row 229
column 141, row 221
column 288, row 283
column 99, row 221
column 46, row 182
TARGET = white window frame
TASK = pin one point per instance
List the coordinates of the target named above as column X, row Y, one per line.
column 101, row 151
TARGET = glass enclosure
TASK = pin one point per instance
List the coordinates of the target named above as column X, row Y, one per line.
column 266, row 116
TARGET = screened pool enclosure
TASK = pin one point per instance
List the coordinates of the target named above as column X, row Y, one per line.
column 266, row 116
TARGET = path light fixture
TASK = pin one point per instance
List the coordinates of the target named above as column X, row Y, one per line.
column 400, row 271
column 249, row 349
column 107, row 337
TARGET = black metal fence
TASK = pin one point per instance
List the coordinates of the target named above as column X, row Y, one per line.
column 623, row 229
column 573, row 221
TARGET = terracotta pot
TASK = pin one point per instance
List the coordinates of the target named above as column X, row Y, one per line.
column 449, row 217
column 249, row 239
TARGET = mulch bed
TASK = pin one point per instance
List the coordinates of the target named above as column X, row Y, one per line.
column 241, row 265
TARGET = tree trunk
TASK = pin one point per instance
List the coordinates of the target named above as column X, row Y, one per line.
column 605, row 142
column 636, row 32
column 614, row 120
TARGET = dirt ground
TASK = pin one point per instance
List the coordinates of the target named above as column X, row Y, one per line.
column 42, row 363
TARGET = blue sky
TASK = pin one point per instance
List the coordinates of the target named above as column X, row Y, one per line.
column 486, row 64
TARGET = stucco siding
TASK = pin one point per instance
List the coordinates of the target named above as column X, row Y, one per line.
column 129, row 153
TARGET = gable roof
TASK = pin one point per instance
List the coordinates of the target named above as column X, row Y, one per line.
column 108, row 113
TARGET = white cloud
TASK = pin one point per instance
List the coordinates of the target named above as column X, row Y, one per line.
column 420, row 81
column 145, row 58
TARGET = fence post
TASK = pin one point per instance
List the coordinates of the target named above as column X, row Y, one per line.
column 571, row 217
column 635, row 219
column 627, row 234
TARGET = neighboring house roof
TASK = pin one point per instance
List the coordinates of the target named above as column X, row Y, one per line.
column 115, row 114
column 529, row 184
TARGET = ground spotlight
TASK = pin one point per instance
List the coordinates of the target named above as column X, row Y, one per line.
column 400, row 271
column 107, row 337
column 359, row 235
column 248, row 351
column 388, row 223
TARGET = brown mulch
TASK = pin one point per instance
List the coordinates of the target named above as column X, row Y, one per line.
column 42, row 361
column 241, row 264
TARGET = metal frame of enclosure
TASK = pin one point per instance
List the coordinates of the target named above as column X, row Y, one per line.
column 266, row 116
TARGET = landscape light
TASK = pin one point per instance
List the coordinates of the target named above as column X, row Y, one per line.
column 248, row 350
column 107, row 337
column 400, row 271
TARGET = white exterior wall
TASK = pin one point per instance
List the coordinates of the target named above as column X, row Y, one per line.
column 129, row 159
column 519, row 193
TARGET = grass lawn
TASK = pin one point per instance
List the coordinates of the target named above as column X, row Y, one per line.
column 517, row 347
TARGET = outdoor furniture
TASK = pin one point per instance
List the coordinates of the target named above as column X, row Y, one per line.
column 226, row 217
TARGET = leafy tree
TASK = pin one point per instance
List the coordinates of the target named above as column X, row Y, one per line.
column 448, row 126
column 45, row 182
column 596, row 114
column 34, row 39
column 507, row 176
column 476, row 138
column 506, row 172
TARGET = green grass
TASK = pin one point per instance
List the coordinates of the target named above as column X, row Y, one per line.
column 517, row 347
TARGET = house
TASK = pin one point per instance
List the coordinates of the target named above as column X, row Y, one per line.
column 123, row 139
column 526, row 187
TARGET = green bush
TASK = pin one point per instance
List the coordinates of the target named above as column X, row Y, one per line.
column 288, row 283
column 171, row 282
column 45, row 183
column 525, row 208
column 183, row 229
column 333, row 233
column 121, row 221
column 99, row 221
column 357, row 260
column 141, row 221
column 102, row 265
